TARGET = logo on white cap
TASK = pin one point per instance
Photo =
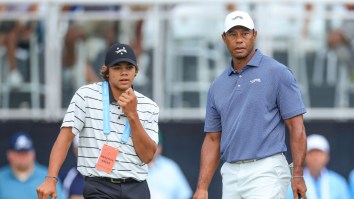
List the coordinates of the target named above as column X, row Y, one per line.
column 238, row 18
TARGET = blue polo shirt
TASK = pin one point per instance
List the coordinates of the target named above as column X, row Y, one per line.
column 249, row 108
column 13, row 188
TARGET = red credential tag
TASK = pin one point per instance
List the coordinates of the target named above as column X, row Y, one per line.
column 107, row 158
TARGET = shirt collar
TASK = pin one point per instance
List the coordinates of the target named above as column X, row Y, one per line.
column 111, row 97
column 254, row 62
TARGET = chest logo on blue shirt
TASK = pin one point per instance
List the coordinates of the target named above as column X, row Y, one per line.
column 255, row 80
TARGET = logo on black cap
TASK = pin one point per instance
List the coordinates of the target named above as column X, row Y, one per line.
column 121, row 51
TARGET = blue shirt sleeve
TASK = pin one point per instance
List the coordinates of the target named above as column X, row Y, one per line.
column 289, row 97
column 212, row 116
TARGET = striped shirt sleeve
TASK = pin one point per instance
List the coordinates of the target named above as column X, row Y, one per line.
column 151, row 125
column 75, row 114
column 148, row 114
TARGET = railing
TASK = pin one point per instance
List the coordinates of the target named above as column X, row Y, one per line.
column 180, row 95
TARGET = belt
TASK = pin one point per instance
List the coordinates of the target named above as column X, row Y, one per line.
column 112, row 180
column 253, row 160
column 245, row 161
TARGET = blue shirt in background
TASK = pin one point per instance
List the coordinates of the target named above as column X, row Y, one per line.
column 12, row 188
column 330, row 185
column 166, row 180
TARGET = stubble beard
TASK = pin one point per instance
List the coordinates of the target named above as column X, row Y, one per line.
column 241, row 57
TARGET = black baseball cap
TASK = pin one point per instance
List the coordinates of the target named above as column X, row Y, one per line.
column 120, row 52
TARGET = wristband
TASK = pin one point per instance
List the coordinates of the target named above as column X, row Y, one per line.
column 298, row 177
column 54, row 177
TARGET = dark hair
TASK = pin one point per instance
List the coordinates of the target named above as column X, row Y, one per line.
column 104, row 73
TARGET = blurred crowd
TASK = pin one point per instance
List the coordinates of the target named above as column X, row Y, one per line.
column 325, row 32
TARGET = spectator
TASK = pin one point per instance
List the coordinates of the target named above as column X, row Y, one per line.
column 321, row 182
column 341, row 40
column 21, row 177
column 162, row 187
column 15, row 34
column 73, row 181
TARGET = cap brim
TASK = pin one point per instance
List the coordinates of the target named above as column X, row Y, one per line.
column 22, row 150
column 243, row 25
column 121, row 60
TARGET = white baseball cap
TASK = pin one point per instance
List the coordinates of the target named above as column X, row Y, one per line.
column 238, row 18
column 318, row 142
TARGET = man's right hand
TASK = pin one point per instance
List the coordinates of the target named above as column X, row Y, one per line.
column 299, row 188
column 47, row 188
column 201, row 194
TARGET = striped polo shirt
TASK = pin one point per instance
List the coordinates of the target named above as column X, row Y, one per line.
column 249, row 108
column 85, row 116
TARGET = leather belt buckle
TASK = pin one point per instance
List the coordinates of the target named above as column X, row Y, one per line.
column 121, row 180
column 116, row 181
column 112, row 180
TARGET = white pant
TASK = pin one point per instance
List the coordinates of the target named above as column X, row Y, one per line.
column 267, row 178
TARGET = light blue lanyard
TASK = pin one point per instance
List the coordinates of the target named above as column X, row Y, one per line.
column 106, row 117
column 126, row 132
column 105, row 103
